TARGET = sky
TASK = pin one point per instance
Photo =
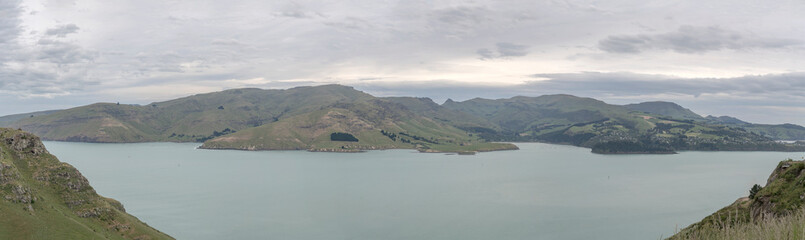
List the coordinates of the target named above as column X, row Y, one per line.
column 738, row 58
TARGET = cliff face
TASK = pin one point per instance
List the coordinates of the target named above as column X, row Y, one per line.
column 43, row 198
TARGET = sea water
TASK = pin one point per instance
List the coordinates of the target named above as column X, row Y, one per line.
column 541, row 191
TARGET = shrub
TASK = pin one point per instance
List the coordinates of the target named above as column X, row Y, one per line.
column 754, row 190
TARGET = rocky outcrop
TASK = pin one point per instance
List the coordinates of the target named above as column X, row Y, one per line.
column 23, row 142
column 53, row 192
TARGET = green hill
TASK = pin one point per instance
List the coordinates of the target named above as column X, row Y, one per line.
column 669, row 109
column 47, row 199
column 373, row 124
column 609, row 128
column 273, row 119
column 5, row 120
column 672, row 110
column 194, row 118
column 771, row 212
column 791, row 132
column 256, row 119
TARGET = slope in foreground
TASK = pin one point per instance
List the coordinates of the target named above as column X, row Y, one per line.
column 43, row 198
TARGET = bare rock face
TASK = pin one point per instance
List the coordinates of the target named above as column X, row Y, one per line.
column 25, row 142
column 7, row 173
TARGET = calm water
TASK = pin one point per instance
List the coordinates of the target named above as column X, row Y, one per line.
column 542, row 191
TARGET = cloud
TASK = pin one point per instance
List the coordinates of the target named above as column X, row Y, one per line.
column 459, row 22
column 512, row 50
column 10, row 28
column 690, row 39
column 63, row 53
column 486, row 53
column 504, row 50
column 46, row 67
column 62, row 31
column 626, row 83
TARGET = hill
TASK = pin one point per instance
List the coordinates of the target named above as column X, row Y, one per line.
column 302, row 118
column 5, row 120
column 256, row 119
column 370, row 124
column 771, row 212
column 44, row 198
column 668, row 109
column 190, row 119
column 789, row 132
column 609, row 128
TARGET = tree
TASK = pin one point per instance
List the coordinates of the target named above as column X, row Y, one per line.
column 339, row 136
column 754, row 190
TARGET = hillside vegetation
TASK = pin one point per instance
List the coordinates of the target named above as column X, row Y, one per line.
column 376, row 124
column 304, row 117
column 672, row 110
column 771, row 212
column 47, row 199
column 610, row 128
column 300, row 118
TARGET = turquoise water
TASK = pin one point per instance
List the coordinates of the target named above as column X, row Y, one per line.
column 542, row 191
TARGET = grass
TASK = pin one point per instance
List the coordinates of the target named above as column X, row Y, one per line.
column 789, row 227
column 775, row 212
column 364, row 120
column 58, row 197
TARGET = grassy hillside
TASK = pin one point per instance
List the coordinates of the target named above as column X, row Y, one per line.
column 194, row 118
column 775, row 131
column 779, row 132
column 672, row 110
column 658, row 127
column 668, row 109
column 255, row 119
column 9, row 119
column 375, row 123
column 771, row 212
column 609, row 128
column 47, row 199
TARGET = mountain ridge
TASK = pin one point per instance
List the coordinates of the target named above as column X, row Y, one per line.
column 244, row 119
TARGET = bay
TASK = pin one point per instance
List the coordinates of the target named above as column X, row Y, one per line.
column 542, row 191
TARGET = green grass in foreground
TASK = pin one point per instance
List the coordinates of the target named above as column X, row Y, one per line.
column 782, row 228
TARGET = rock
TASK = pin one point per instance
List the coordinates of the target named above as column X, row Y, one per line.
column 26, row 143
column 20, row 195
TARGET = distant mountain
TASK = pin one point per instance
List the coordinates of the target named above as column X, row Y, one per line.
column 672, row 110
column 725, row 120
column 609, row 128
column 537, row 114
column 340, row 118
column 669, row 109
column 194, row 118
column 791, row 132
column 203, row 117
column 5, row 120
column 369, row 124
column 44, row 198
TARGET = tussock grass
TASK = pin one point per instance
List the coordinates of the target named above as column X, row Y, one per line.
column 787, row 227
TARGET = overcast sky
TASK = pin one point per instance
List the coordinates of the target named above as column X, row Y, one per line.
column 738, row 58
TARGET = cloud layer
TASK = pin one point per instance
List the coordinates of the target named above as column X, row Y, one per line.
column 691, row 39
column 56, row 54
